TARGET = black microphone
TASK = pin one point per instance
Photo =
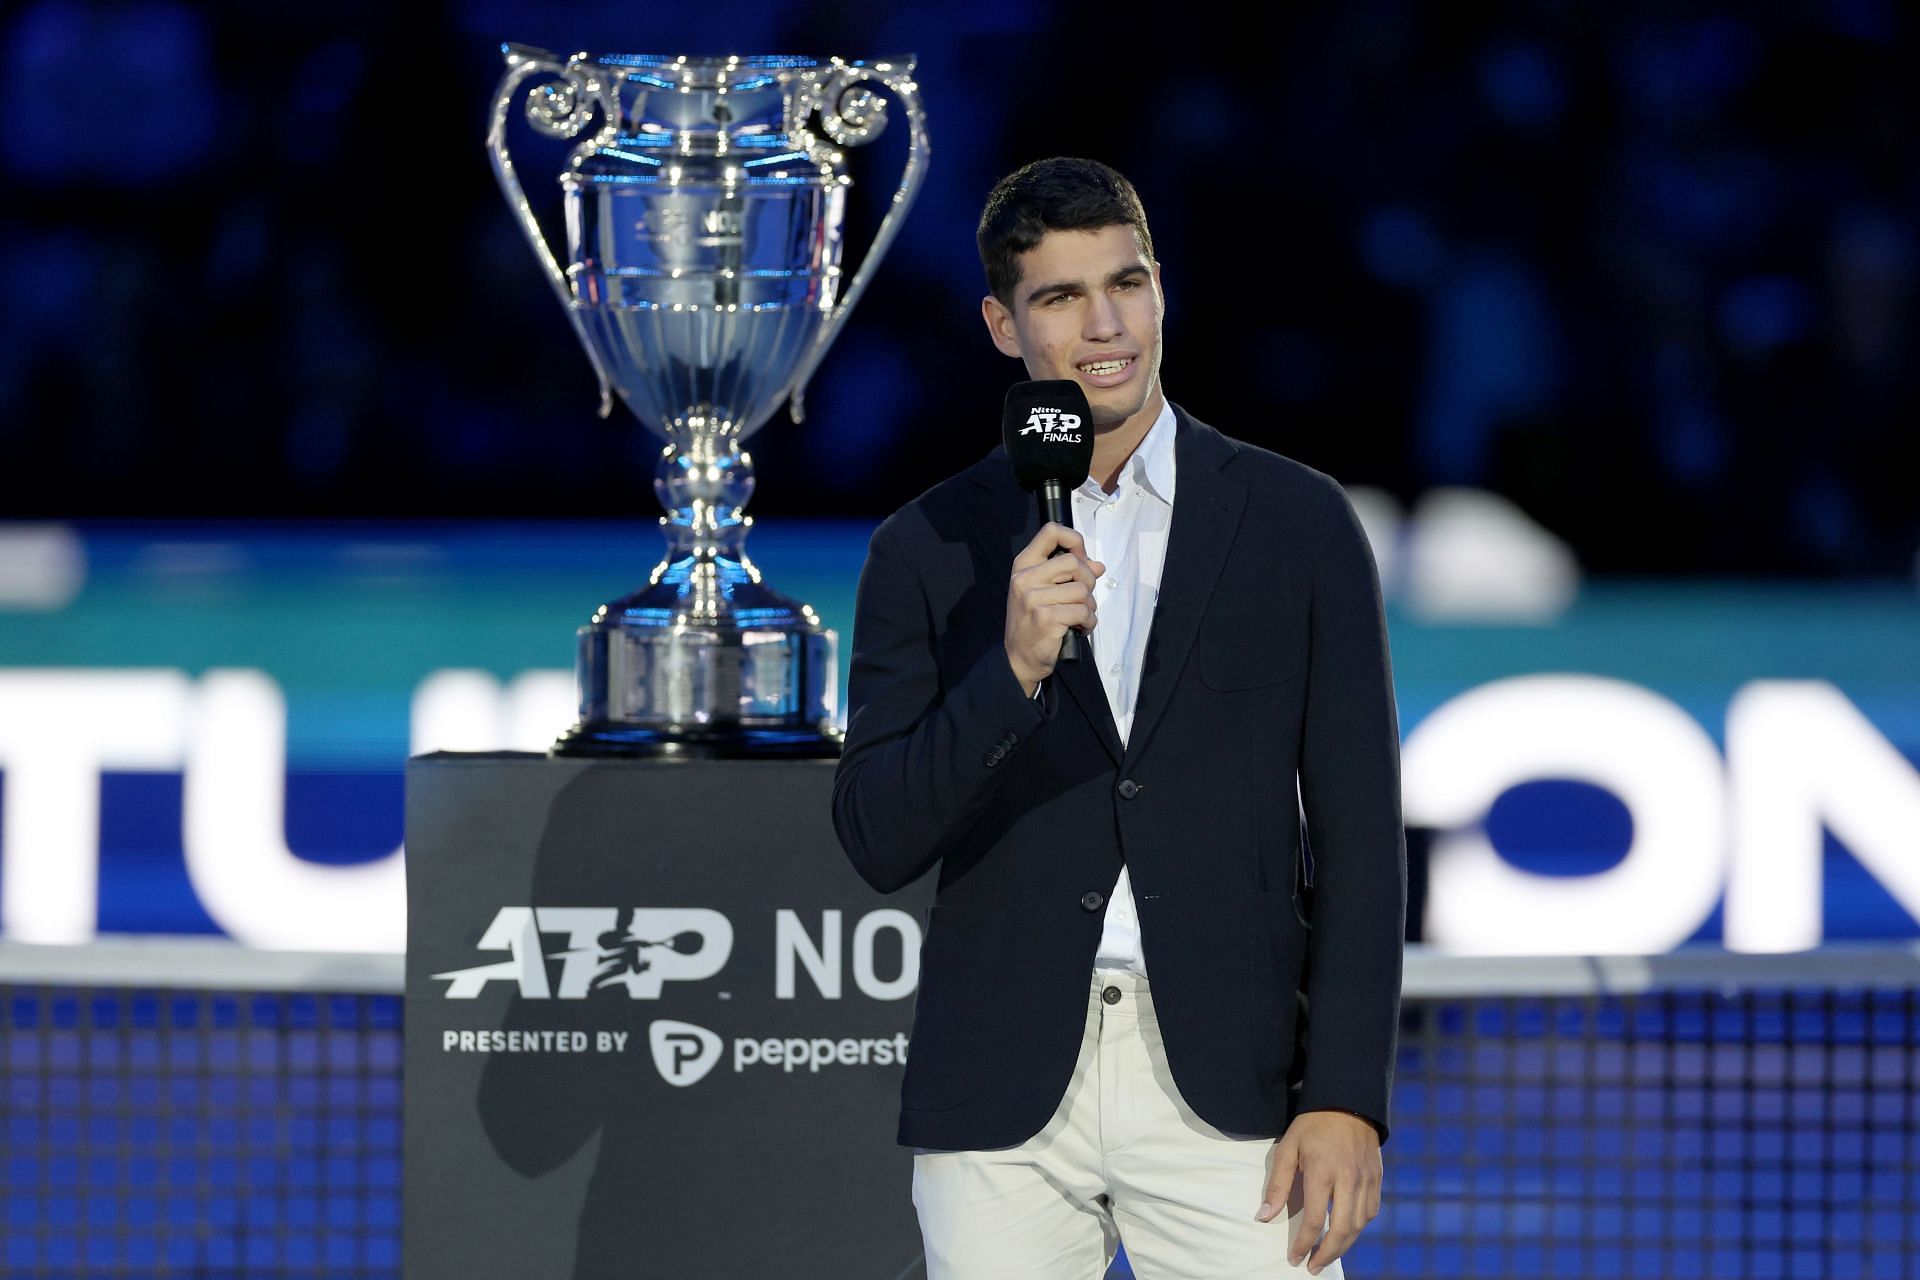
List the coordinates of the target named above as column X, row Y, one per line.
column 1049, row 433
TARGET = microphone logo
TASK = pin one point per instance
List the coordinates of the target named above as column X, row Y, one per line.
column 1056, row 426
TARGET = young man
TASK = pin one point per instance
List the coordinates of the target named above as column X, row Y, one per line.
column 1108, row 1036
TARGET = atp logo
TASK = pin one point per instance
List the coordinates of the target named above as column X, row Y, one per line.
column 635, row 949
column 683, row 1052
column 1055, row 426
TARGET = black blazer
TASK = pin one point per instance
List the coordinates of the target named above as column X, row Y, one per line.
column 1267, row 661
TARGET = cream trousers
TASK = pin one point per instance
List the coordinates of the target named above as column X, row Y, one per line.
column 1122, row 1159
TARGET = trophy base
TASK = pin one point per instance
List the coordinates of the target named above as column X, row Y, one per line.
column 661, row 676
column 629, row 742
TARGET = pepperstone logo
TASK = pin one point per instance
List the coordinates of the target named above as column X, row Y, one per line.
column 1056, row 426
column 636, row 949
column 682, row 1051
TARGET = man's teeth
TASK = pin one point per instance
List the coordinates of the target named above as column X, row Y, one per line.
column 1105, row 367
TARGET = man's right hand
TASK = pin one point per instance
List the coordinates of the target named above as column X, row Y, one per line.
column 1046, row 595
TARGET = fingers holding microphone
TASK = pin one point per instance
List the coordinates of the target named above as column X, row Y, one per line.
column 1050, row 590
column 1046, row 429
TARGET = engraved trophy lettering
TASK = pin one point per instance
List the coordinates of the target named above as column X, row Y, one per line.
column 703, row 210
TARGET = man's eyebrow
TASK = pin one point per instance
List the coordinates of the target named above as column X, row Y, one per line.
column 1055, row 286
column 1072, row 286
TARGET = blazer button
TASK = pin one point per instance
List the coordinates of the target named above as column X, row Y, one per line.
column 1092, row 901
column 1129, row 788
column 993, row 758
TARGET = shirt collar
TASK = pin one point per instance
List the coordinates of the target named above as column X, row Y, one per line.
column 1151, row 465
column 1152, row 462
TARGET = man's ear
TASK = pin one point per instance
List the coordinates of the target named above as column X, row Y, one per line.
column 1000, row 326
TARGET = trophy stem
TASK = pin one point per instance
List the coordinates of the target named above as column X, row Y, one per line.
column 705, row 485
column 706, row 659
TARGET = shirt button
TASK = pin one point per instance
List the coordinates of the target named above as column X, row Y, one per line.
column 1129, row 788
column 1111, row 995
column 1092, row 901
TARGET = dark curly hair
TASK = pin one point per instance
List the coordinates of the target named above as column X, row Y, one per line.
column 1060, row 194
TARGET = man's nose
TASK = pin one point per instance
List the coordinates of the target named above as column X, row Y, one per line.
column 1103, row 319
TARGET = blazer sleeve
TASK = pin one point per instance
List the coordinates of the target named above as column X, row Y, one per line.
column 1350, row 789
column 922, row 757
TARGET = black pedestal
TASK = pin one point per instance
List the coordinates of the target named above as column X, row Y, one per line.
column 654, row 1026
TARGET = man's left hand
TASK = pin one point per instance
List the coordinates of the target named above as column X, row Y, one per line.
column 1334, row 1156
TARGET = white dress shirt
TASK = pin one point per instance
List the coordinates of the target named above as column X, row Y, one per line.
column 1126, row 530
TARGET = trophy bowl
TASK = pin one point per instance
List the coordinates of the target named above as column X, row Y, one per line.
column 703, row 213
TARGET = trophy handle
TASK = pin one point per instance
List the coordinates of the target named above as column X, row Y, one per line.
column 852, row 123
column 560, row 108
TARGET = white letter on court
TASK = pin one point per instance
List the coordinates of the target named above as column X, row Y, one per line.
column 58, row 730
column 462, row 709
column 1636, row 744
column 234, row 824
column 1802, row 758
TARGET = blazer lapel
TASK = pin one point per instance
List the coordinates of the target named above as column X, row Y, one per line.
column 1206, row 512
column 1081, row 680
column 1016, row 514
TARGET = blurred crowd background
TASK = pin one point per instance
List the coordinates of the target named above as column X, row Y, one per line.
column 1645, row 269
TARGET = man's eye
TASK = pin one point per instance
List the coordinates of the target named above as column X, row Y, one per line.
column 1127, row 286
column 1059, row 298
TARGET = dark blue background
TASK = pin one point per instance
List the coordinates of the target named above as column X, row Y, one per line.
column 1647, row 268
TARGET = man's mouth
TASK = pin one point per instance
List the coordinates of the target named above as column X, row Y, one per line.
column 1105, row 368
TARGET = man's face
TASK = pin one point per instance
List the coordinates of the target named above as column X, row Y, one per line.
column 1088, row 307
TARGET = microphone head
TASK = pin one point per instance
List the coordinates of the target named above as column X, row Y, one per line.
column 1049, row 433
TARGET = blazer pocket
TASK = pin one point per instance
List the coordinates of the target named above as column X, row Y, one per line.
column 1251, row 636
column 1278, row 959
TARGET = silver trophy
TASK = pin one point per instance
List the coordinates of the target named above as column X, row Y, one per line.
column 703, row 218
